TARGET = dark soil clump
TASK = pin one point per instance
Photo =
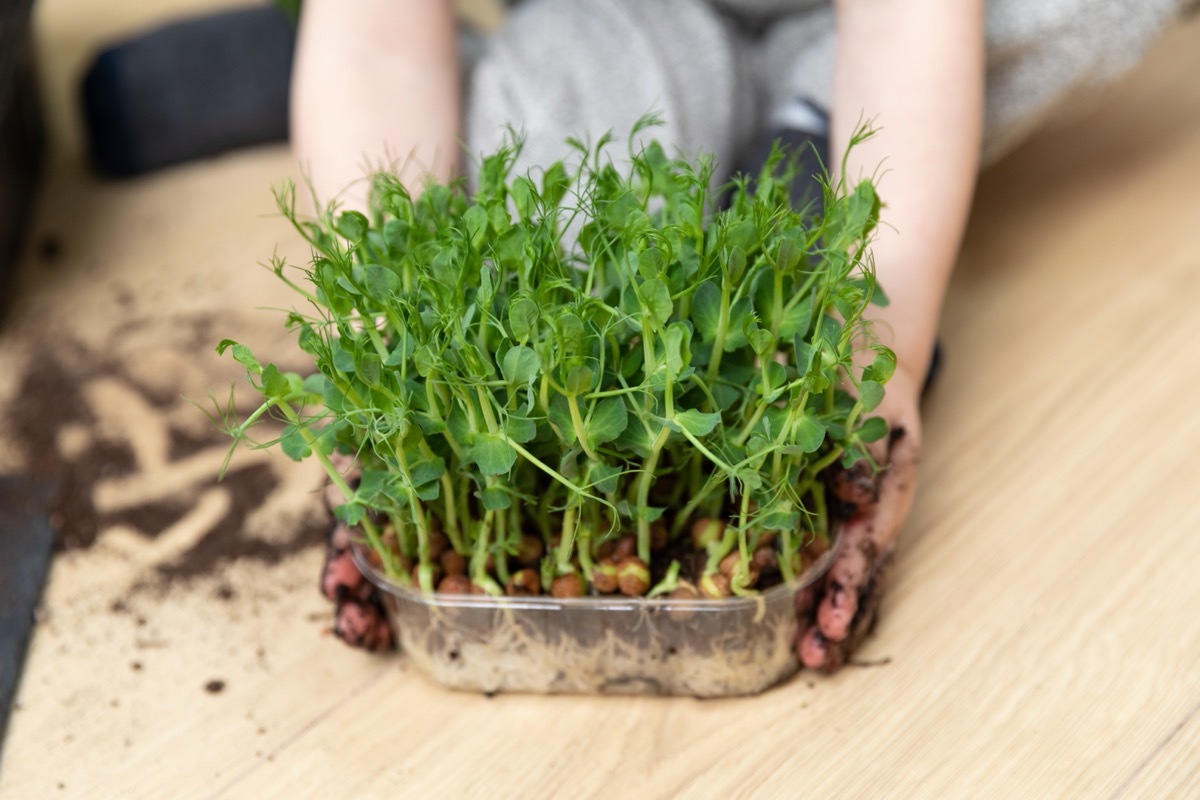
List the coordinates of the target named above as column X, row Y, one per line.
column 52, row 397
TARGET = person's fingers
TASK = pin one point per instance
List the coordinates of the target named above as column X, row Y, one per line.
column 340, row 576
column 362, row 624
column 359, row 617
column 847, row 609
column 850, row 570
column 818, row 653
column 897, row 487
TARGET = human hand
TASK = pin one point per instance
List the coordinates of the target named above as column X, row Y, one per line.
column 359, row 618
column 368, row 87
column 840, row 612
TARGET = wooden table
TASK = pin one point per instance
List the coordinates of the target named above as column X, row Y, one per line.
column 1041, row 637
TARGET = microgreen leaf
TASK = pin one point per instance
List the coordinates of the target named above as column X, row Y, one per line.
column 273, row 382
column 495, row 498
column 881, row 367
column 520, row 429
column 559, row 416
column 808, row 433
column 522, row 316
column 352, row 225
column 870, row 393
column 795, row 320
column 241, row 354
column 369, row 368
column 604, row 477
column 591, row 332
column 401, row 353
column 607, row 421
column 697, row 423
column 427, row 470
column 381, row 282
column 658, row 300
column 293, row 443
column 493, row 455
column 761, row 341
column 524, row 195
column 706, row 310
column 520, row 366
column 580, row 379
column 873, row 429
column 651, row 263
column 350, row 513
column 476, row 220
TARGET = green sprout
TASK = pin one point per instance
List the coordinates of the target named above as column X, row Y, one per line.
column 581, row 353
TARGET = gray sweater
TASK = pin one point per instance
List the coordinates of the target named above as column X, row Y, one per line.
column 721, row 72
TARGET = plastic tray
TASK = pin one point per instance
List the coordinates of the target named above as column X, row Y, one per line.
column 600, row 645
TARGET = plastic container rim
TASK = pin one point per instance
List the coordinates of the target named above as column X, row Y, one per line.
column 598, row 603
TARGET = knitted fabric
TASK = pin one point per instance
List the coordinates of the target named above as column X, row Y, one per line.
column 717, row 71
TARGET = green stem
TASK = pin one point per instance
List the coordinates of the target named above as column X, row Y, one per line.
column 741, row 438
column 425, row 567
column 719, row 549
column 584, row 548
column 567, row 541
column 580, row 429
column 643, row 494
column 821, row 510
column 451, row 511
column 718, row 348
column 532, row 459
column 668, row 583
column 737, row 586
column 777, row 304
column 698, row 499
column 501, row 549
column 368, row 526
column 479, row 572
column 485, row 406
column 787, row 549
column 699, row 445
column 830, row 457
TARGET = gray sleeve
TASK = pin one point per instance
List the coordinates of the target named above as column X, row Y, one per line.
column 1047, row 55
column 1042, row 55
column 563, row 68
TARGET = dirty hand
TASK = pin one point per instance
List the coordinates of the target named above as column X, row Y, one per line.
column 359, row 618
column 847, row 601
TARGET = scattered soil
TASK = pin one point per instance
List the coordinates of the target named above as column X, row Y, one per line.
column 50, row 248
column 51, row 396
column 229, row 540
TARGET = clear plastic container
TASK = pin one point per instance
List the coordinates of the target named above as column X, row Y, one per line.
column 600, row 645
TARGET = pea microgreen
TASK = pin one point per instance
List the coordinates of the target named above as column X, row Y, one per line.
column 581, row 352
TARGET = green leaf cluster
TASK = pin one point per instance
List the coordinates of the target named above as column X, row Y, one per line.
column 582, row 351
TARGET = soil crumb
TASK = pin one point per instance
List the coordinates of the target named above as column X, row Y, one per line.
column 53, row 396
column 50, row 248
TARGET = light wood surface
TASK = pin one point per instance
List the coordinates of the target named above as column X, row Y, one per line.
column 1040, row 638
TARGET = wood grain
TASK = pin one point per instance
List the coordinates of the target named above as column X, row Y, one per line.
column 1039, row 639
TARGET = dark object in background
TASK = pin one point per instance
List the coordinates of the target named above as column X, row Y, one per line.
column 188, row 90
column 25, row 541
column 20, row 132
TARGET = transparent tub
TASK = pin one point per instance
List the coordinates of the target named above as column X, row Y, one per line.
column 600, row 645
